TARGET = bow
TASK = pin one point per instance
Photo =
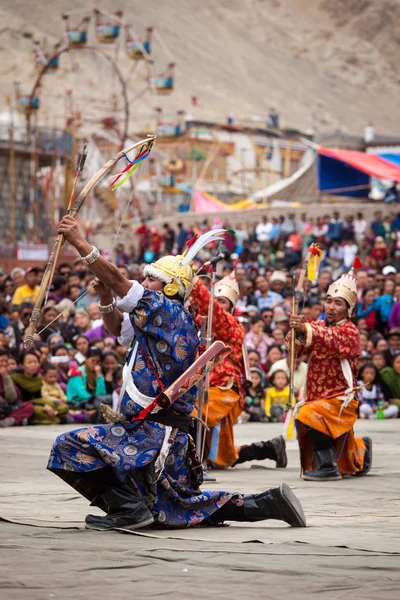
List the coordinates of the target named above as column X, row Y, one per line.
column 29, row 337
column 310, row 265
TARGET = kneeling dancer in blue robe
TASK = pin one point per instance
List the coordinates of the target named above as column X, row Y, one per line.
column 148, row 472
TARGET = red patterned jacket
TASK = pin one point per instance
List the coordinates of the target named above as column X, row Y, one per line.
column 229, row 330
column 328, row 345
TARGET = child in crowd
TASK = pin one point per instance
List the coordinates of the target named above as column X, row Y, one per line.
column 255, row 396
column 51, row 389
column 277, row 396
column 373, row 392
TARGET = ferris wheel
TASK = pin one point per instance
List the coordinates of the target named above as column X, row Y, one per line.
column 111, row 39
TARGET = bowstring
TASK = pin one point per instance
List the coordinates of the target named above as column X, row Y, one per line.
column 114, row 242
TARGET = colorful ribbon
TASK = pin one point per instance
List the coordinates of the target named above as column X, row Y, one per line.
column 130, row 167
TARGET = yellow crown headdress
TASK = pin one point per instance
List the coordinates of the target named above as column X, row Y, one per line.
column 228, row 287
column 175, row 271
column 346, row 287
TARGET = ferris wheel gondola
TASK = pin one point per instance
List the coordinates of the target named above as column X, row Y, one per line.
column 135, row 48
column 107, row 30
column 77, row 36
column 164, row 83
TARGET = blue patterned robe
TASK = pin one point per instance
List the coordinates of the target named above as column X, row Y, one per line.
column 166, row 332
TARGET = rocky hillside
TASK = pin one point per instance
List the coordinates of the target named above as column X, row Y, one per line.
column 320, row 63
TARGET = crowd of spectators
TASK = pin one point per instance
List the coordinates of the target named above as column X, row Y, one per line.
column 75, row 364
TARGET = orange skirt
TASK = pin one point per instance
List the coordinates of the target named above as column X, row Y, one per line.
column 323, row 415
column 223, row 411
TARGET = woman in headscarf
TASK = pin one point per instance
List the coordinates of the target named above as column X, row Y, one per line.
column 29, row 382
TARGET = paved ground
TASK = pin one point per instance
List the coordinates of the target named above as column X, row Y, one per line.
column 351, row 548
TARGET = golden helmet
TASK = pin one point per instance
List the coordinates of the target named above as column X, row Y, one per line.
column 228, row 287
column 175, row 271
column 177, row 277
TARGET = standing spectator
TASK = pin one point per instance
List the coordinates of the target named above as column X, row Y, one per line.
column 169, row 238
column 379, row 251
column 181, row 238
column 334, row 228
column 265, row 298
column 263, row 231
column 350, row 250
column 348, row 229
column 12, row 410
column 320, row 231
column 29, row 291
column 377, row 227
column 360, row 228
column 143, row 234
column 156, row 240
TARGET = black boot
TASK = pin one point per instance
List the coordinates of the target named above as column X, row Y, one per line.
column 277, row 503
column 125, row 511
column 274, row 450
column 325, row 469
column 367, row 457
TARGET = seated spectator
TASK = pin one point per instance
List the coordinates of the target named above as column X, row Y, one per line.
column 44, row 352
column 81, row 345
column 59, row 289
column 86, row 388
column 391, row 376
column 255, row 396
column 29, row 291
column 55, row 339
column 300, row 371
column 52, row 391
column 277, row 396
column 274, row 354
column 13, row 411
column 257, row 339
column 379, row 360
column 373, row 392
column 61, row 360
column 279, row 339
column 11, row 364
column 48, row 322
column 254, row 358
column 367, row 309
column 111, row 371
column 82, row 320
column 94, row 314
column 29, row 381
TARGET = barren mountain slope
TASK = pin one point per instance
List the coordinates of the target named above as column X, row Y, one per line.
column 333, row 62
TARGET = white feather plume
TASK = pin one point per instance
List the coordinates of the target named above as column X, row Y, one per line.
column 215, row 235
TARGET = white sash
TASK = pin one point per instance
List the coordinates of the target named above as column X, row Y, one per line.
column 129, row 386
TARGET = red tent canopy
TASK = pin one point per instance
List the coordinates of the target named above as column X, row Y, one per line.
column 371, row 164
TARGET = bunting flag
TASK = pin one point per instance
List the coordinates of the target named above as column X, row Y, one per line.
column 131, row 167
column 315, row 261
